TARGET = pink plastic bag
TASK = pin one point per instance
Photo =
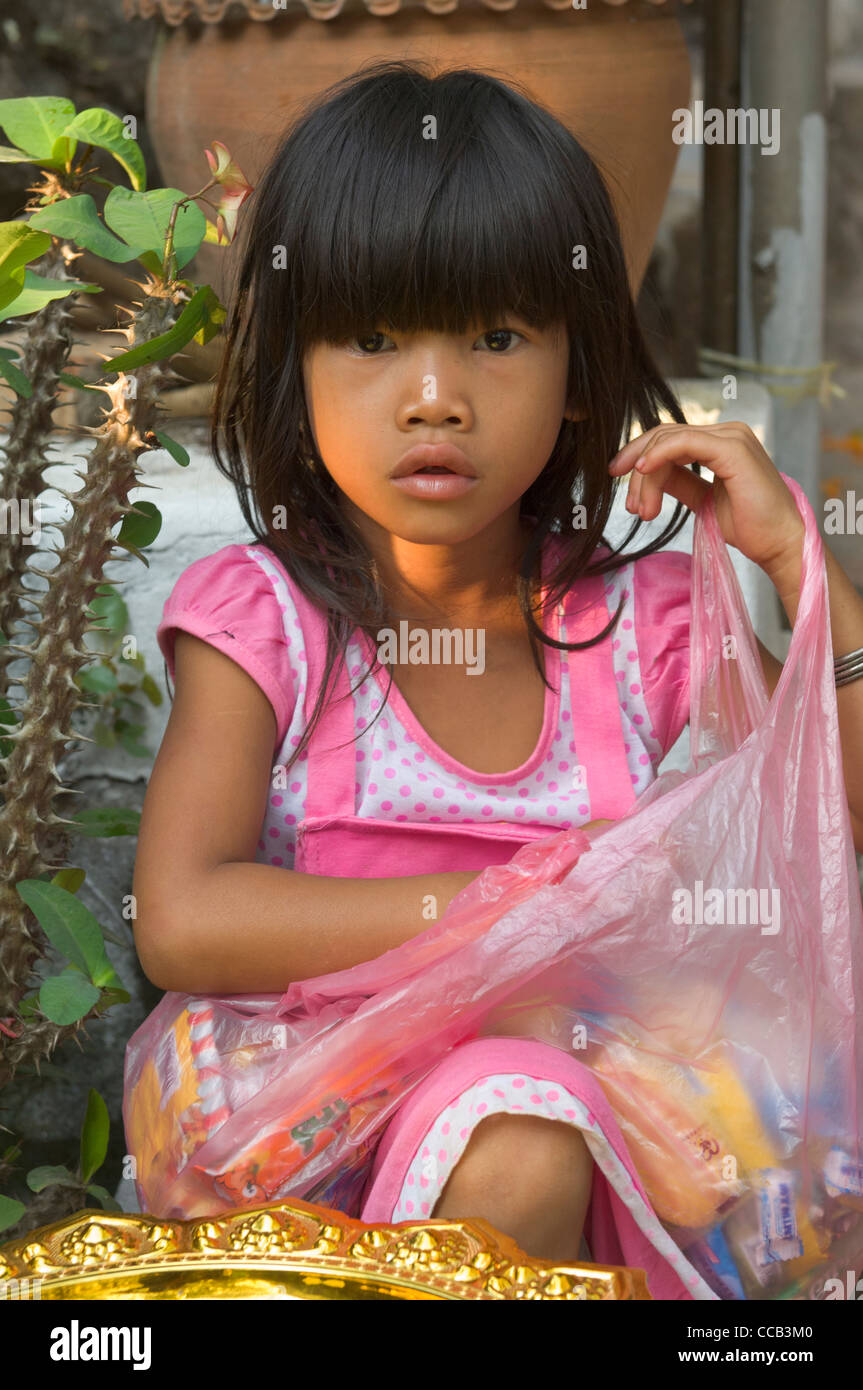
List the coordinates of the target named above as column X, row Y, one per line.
column 703, row 957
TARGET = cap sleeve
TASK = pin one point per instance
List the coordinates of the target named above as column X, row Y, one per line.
column 228, row 600
column 662, row 618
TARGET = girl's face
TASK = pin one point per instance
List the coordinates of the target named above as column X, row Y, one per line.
column 497, row 393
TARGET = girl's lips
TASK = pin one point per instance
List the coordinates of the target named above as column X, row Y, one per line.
column 435, row 485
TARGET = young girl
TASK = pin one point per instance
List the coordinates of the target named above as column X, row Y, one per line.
column 432, row 358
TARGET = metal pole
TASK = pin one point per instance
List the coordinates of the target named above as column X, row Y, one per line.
column 783, row 210
column 720, row 209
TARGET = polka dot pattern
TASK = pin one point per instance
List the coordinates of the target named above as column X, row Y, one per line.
column 643, row 749
column 443, row 1144
column 409, row 780
column 287, row 797
column 401, row 779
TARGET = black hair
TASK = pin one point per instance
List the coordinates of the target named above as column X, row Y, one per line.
column 361, row 220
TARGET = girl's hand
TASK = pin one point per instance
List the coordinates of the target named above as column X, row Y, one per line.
column 756, row 510
column 595, row 824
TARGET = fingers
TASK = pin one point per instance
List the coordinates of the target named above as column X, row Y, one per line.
column 645, row 492
column 634, row 498
column 701, row 441
column 650, row 479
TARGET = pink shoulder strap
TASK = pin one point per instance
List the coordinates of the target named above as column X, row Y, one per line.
column 596, row 720
column 595, row 711
column 332, row 767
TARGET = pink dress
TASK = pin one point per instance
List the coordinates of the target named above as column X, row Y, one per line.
column 614, row 711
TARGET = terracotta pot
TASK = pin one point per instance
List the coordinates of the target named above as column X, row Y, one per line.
column 612, row 75
column 214, row 11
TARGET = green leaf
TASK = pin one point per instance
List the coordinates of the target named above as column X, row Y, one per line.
column 150, row 261
column 129, row 739
column 142, row 220
column 110, row 997
column 76, row 219
column 11, row 286
column 69, row 380
column 151, row 690
column 198, row 312
column 211, row 236
column 94, row 1136
column 19, row 243
column 11, row 1212
column 108, row 1202
column 109, row 609
column 102, row 128
column 177, row 452
column 70, row 879
column 103, row 822
column 8, row 155
column 133, row 550
column 7, row 716
column 35, row 123
column 50, row 1175
column 7, row 713
column 142, row 526
column 39, row 290
column 16, row 378
column 97, row 680
column 61, row 153
column 66, row 998
column 71, row 927
column 212, row 325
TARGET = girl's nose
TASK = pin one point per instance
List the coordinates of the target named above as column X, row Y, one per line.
column 434, row 400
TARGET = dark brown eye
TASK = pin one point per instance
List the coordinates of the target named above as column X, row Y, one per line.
column 498, row 334
column 369, row 342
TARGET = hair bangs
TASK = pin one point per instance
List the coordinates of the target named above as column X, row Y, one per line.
column 437, row 216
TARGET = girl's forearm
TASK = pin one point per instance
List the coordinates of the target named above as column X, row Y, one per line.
column 246, row 928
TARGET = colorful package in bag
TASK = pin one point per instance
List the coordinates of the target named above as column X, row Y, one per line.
column 706, row 952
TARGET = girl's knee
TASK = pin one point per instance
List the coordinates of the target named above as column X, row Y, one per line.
column 528, row 1176
column 529, row 1150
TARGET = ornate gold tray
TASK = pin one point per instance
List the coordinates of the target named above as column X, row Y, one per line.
column 290, row 1249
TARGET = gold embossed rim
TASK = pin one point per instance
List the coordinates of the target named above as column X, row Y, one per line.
column 295, row 1243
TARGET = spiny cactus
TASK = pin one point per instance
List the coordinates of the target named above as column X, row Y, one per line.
column 56, row 654
column 47, row 342
column 161, row 229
